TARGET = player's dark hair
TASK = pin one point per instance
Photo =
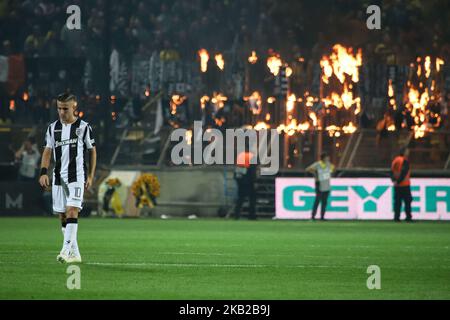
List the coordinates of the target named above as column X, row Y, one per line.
column 323, row 155
column 66, row 97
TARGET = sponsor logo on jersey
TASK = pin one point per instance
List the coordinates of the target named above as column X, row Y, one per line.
column 65, row 142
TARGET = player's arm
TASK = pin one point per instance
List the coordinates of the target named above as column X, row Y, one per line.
column 311, row 169
column 89, row 142
column 44, row 180
column 92, row 165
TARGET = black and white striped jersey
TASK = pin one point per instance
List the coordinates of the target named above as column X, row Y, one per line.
column 69, row 143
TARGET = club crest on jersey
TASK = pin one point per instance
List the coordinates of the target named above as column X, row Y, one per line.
column 78, row 132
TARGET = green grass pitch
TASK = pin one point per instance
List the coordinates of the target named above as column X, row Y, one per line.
column 225, row 259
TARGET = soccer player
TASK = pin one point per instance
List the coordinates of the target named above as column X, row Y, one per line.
column 322, row 173
column 68, row 138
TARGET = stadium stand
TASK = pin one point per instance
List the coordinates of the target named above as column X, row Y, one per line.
column 135, row 67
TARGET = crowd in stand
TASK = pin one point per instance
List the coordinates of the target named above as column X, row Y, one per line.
column 177, row 29
column 38, row 28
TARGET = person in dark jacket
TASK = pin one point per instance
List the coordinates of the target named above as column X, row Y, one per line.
column 245, row 175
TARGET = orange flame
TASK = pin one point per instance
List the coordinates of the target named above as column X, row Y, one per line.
column 439, row 63
column 218, row 99
column 255, row 99
column 204, row 57
column 303, row 126
column 350, row 128
column 332, row 130
column 271, row 99
column 390, row 89
column 344, row 65
column 343, row 62
column 261, row 126
column 427, row 66
column 175, row 101
column 419, row 96
column 419, row 131
column 274, row 64
column 345, row 100
column 288, row 71
column 327, row 69
column 292, row 127
column 253, row 58
column 203, row 101
column 313, row 117
column 391, row 95
column 219, row 61
column 290, row 103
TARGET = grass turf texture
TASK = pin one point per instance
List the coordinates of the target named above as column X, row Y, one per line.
column 224, row 259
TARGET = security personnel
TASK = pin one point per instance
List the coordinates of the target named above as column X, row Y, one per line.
column 400, row 174
column 322, row 171
column 245, row 175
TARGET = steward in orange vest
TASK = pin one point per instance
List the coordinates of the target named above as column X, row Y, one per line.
column 245, row 175
column 400, row 174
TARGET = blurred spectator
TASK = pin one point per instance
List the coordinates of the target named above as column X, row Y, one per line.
column 382, row 127
column 169, row 53
column 28, row 156
column 34, row 42
column 6, row 48
column 52, row 43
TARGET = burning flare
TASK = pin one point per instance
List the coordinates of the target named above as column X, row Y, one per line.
column 419, row 94
column 255, row 101
column 253, row 58
column 204, row 57
column 274, row 64
column 175, row 101
column 218, row 100
column 439, row 63
column 203, row 101
column 219, row 61
column 290, row 103
column 261, row 126
column 341, row 62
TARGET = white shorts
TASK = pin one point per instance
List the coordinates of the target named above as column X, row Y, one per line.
column 67, row 195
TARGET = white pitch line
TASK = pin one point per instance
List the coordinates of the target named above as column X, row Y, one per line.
column 214, row 265
column 188, row 265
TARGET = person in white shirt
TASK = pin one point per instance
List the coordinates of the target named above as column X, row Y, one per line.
column 28, row 156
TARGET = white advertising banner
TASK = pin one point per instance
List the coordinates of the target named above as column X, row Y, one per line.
column 362, row 198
